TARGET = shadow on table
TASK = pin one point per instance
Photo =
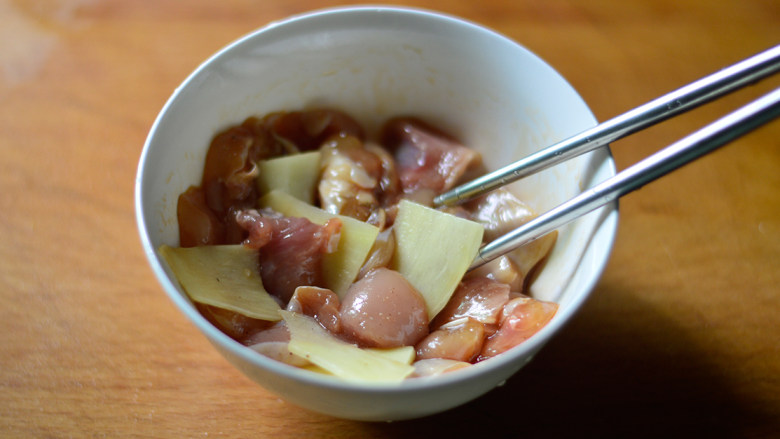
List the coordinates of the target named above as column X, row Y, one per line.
column 632, row 375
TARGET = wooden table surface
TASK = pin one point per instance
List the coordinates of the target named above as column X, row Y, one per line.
column 679, row 339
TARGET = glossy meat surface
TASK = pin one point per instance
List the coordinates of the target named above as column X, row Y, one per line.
column 291, row 249
column 425, row 157
column 480, row 298
column 320, row 303
column 459, row 340
column 485, row 316
column 383, row 310
column 521, row 318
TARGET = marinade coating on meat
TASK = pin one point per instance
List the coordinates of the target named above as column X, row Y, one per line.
column 485, row 316
column 206, row 213
column 426, row 158
column 291, row 249
column 479, row 298
column 383, row 310
column 321, row 304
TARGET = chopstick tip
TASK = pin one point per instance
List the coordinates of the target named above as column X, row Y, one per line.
column 445, row 199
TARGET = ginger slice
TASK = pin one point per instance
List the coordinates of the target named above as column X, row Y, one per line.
column 295, row 174
column 224, row 276
column 433, row 251
column 311, row 341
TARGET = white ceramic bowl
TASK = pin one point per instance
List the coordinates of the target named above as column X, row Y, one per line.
column 374, row 63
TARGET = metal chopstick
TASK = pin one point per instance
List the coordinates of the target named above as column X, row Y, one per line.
column 701, row 142
column 679, row 101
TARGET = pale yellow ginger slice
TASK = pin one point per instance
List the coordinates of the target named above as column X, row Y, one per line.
column 403, row 354
column 433, row 251
column 347, row 361
column 341, row 267
column 314, row 368
column 295, row 174
column 224, row 276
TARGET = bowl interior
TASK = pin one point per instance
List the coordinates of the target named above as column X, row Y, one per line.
column 375, row 63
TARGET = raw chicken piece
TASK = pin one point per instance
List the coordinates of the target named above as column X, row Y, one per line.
column 383, row 310
column 457, row 340
column 308, row 130
column 273, row 344
column 477, row 297
column 500, row 212
column 320, row 303
column 425, row 157
column 522, row 317
column 235, row 325
column 436, row 366
column 198, row 225
column 291, row 249
column 350, row 176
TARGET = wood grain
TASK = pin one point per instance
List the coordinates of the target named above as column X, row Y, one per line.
column 680, row 338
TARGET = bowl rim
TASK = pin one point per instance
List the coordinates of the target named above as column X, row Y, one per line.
column 223, row 341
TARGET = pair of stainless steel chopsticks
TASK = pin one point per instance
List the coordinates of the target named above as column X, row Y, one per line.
column 692, row 147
